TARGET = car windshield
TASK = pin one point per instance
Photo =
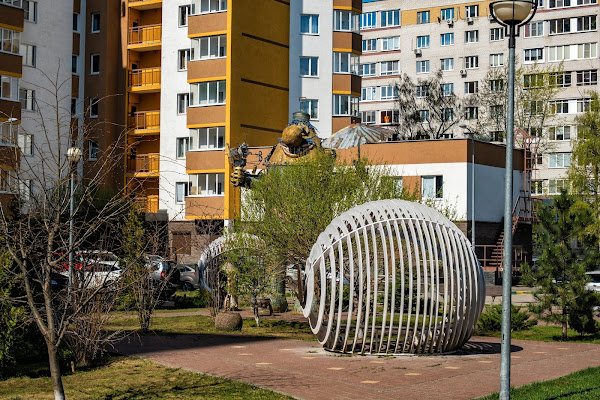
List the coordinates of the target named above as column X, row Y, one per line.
column 594, row 277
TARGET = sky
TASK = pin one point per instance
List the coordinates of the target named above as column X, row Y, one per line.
column 369, row 1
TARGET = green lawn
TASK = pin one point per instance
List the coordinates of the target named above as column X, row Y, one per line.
column 546, row 334
column 133, row 379
column 581, row 385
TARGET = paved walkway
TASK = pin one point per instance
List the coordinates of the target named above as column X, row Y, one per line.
column 304, row 370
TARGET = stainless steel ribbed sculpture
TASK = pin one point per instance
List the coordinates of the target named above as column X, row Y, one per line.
column 393, row 277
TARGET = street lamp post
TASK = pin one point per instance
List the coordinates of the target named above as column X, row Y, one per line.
column 512, row 15
column 73, row 156
column 471, row 134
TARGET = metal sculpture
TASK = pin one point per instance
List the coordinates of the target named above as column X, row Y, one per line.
column 392, row 277
column 209, row 264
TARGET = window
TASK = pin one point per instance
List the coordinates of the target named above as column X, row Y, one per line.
column 27, row 98
column 92, row 150
column 559, row 107
column 497, row 60
column 390, row 117
column 586, row 23
column 560, row 133
column 9, row 88
column 209, row 47
column 471, row 36
column 28, row 52
column 94, row 107
column 368, row 117
column 534, row 107
column 73, row 106
column 367, row 70
column 497, row 111
column 447, row 64
column 447, row 89
column 183, row 102
column 472, row 11
column 182, row 59
column 422, row 67
column 422, row 91
column 309, row 66
column 311, row 107
column 94, row 64
column 587, row 78
column 390, row 18
column 95, row 24
column 74, row 64
column 536, row 131
column 14, row 3
column 447, row 39
column 559, row 160
column 391, row 43
column 586, row 50
column 583, row 105
column 30, row 8
column 5, row 180
column 497, row 136
column 10, row 40
column 369, row 93
column 533, row 81
column 447, row 14
column 432, row 187
column 422, row 42
column 309, row 24
column 556, row 185
column 345, row 63
column 368, row 20
column 389, row 68
column 26, row 144
column 344, row 21
column 207, row 93
column 561, row 25
column 537, row 187
column 533, row 29
column 496, row 34
column 207, row 184
column 369, row 45
column 8, row 133
column 389, row 93
column 471, row 87
column 471, row 62
column 424, row 115
column 182, row 146
column 559, row 53
column 208, row 6
column 472, row 113
column 207, row 138
column 25, row 189
column 182, row 189
column 533, row 55
column 184, row 11
column 344, row 104
column 423, row 17
column 75, row 22
column 560, row 79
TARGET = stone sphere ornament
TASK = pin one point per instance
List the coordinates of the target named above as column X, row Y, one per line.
column 392, row 277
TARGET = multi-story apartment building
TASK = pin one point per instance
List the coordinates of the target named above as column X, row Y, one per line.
column 417, row 39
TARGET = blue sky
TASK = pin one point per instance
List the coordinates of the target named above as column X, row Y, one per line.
column 369, row 1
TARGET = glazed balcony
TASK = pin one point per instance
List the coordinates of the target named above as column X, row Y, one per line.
column 144, row 122
column 145, row 38
column 148, row 204
column 144, row 80
column 145, row 165
column 145, row 4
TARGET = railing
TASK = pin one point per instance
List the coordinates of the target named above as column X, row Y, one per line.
column 144, row 164
column 147, row 34
column 147, row 204
column 139, row 78
column 144, row 120
column 489, row 260
column 8, row 136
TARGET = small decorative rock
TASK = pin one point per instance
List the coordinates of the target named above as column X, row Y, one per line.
column 228, row 321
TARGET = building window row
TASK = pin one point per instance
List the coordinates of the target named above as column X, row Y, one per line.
column 208, row 47
column 345, row 21
column 208, row 6
column 385, row 117
column 207, row 93
column 10, row 41
column 207, row 184
column 389, row 92
column 561, row 79
column 9, row 88
column 387, row 18
column 569, row 3
column 345, row 105
column 212, row 138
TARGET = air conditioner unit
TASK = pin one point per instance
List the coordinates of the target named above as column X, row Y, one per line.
column 469, row 20
column 463, row 72
column 418, row 52
column 450, row 22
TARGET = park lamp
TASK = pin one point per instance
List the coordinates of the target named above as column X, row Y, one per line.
column 74, row 154
column 512, row 15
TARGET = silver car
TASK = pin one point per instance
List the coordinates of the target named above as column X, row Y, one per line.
column 189, row 276
column 594, row 283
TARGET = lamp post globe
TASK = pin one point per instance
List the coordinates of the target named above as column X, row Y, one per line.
column 511, row 12
column 74, row 154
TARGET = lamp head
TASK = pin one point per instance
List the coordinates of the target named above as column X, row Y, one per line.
column 514, row 12
column 74, row 154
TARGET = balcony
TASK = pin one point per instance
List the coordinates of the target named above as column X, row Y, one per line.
column 145, row 4
column 144, row 122
column 144, row 80
column 145, row 165
column 145, row 38
column 148, row 204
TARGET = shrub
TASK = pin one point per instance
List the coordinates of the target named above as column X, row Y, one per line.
column 491, row 319
column 191, row 299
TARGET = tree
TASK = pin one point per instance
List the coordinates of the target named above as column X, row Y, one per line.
column 561, row 296
column 35, row 229
column 429, row 108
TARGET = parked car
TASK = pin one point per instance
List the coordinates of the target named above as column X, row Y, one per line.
column 594, row 283
column 189, row 276
column 164, row 271
column 92, row 269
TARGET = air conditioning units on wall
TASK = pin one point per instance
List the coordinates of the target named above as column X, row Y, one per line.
column 450, row 22
column 418, row 52
column 469, row 20
column 463, row 73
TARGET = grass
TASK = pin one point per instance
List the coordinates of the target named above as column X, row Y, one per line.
column 132, row 379
column 581, row 385
column 201, row 324
column 546, row 333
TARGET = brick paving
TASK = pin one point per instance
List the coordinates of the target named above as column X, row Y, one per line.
column 304, row 370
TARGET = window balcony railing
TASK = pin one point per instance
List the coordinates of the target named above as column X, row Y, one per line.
column 147, row 204
column 145, row 77
column 145, row 164
column 8, row 138
column 144, row 120
column 147, row 34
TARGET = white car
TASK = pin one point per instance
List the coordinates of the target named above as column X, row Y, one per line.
column 594, row 283
column 98, row 268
